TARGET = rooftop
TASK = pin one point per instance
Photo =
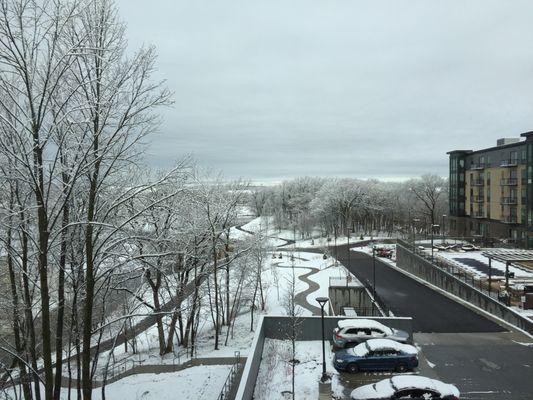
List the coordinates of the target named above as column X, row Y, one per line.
column 510, row 256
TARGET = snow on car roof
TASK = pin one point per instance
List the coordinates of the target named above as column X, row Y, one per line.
column 364, row 348
column 363, row 323
column 384, row 344
column 410, row 381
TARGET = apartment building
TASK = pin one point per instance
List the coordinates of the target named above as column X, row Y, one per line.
column 491, row 191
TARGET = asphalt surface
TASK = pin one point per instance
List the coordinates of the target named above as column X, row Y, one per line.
column 405, row 297
column 484, row 366
column 457, row 345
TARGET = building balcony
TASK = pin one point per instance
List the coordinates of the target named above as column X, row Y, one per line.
column 478, row 199
column 509, row 182
column 509, row 163
column 509, row 219
column 478, row 214
column 477, row 166
column 478, row 182
column 509, row 200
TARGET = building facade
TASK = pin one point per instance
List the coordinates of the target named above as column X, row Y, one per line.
column 491, row 192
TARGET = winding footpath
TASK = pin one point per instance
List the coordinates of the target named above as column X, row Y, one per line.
column 301, row 297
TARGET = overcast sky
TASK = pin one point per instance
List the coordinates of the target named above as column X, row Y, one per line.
column 274, row 89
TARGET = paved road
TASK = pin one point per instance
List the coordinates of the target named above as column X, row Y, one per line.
column 484, row 366
column 431, row 310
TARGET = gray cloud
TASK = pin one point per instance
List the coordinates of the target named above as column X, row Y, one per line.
column 276, row 89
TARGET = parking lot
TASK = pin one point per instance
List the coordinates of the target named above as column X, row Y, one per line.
column 485, row 360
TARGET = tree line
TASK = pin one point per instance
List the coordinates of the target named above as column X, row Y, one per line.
column 92, row 240
column 340, row 207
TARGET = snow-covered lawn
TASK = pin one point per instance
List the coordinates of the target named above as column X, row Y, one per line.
column 279, row 237
column 278, row 274
column 202, row 382
column 320, row 242
column 196, row 383
column 275, row 372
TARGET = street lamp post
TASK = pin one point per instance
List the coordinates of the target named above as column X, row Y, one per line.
column 322, row 301
column 433, row 226
column 442, row 228
column 414, row 233
column 373, row 277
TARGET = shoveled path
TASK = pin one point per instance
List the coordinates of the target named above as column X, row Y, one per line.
column 287, row 241
column 301, row 297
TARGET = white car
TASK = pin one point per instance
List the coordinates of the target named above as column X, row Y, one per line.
column 407, row 387
column 357, row 331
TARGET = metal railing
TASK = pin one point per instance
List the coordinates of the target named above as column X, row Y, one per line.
column 510, row 219
column 509, row 200
column 230, row 380
column 457, row 271
column 478, row 182
column 478, row 199
column 508, row 182
column 378, row 301
column 477, row 166
column 509, row 163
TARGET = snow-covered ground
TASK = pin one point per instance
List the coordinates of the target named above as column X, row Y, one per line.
column 322, row 242
column 196, row 383
column 276, row 277
column 275, row 372
column 279, row 237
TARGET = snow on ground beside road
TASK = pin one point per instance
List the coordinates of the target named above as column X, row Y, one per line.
column 320, row 242
column 275, row 372
column 438, row 240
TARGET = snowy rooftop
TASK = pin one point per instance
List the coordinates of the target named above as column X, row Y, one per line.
column 505, row 255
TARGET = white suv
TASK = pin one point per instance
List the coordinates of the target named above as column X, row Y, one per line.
column 356, row 331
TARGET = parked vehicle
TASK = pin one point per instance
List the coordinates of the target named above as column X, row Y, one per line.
column 384, row 252
column 469, row 247
column 377, row 355
column 407, row 387
column 355, row 331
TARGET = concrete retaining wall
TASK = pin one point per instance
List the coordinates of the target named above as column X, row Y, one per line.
column 253, row 362
column 274, row 327
column 310, row 328
column 349, row 296
column 424, row 269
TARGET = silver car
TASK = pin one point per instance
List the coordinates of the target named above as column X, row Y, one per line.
column 355, row 331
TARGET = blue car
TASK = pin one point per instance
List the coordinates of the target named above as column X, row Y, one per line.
column 377, row 355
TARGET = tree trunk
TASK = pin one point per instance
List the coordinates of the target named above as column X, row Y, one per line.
column 61, row 299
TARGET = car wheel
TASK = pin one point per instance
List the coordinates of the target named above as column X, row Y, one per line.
column 353, row 368
column 401, row 368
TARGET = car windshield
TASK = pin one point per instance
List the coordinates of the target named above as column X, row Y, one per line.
column 360, row 350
